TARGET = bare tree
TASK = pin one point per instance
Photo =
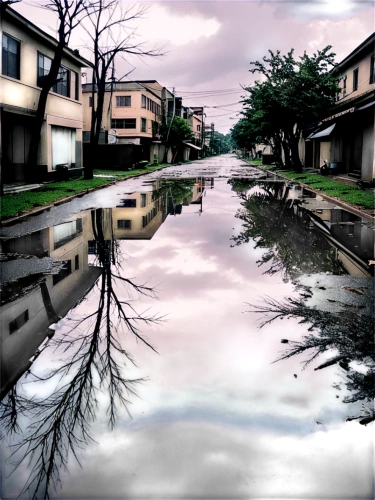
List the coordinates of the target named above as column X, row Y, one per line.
column 70, row 14
column 111, row 34
column 349, row 335
column 92, row 350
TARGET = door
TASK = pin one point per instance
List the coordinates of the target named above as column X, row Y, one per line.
column 63, row 146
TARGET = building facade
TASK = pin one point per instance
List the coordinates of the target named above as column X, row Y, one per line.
column 132, row 114
column 345, row 137
column 27, row 53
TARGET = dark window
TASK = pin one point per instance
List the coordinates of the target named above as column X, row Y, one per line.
column 44, row 66
column 17, row 323
column 76, row 262
column 63, row 273
column 11, row 57
column 75, row 76
column 355, row 79
column 372, row 69
column 123, row 123
column 62, row 87
column 170, row 108
column 129, row 203
column 198, row 128
column 124, row 224
column 90, row 101
column 143, row 200
column 143, row 125
column 123, row 100
column 144, row 101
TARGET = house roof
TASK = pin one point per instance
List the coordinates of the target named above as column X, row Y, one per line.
column 363, row 47
column 8, row 12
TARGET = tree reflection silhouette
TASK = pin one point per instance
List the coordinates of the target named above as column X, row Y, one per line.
column 270, row 221
column 291, row 249
column 94, row 359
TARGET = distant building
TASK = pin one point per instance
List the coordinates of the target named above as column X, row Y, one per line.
column 345, row 137
column 132, row 114
column 27, row 52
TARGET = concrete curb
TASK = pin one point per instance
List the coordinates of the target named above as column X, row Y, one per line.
column 56, row 203
column 342, row 204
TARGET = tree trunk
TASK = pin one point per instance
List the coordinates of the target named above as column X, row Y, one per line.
column 296, row 161
column 49, row 82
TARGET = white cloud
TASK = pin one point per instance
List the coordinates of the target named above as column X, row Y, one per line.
column 160, row 24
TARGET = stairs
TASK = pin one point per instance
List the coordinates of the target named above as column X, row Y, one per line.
column 356, row 174
column 19, row 188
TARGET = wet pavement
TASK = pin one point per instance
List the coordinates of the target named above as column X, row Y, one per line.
column 140, row 328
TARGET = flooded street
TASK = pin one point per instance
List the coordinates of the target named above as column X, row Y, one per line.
column 140, row 328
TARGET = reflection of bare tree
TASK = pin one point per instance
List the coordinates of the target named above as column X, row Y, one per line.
column 350, row 335
column 269, row 221
column 93, row 359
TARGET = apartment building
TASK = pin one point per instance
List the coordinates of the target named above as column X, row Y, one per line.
column 27, row 53
column 132, row 114
column 345, row 137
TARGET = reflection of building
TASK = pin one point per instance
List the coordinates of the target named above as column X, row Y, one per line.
column 26, row 317
column 346, row 232
column 139, row 217
column 27, row 52
column 345, row 137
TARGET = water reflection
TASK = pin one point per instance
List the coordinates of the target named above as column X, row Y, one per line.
column 349, row 335
column 193, row 391
column 281, row 218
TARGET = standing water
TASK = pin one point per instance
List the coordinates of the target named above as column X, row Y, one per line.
column 202, row 332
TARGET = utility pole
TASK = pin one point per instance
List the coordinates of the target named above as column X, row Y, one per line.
column 212, row 136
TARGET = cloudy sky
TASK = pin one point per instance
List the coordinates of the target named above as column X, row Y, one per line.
column 209, row 44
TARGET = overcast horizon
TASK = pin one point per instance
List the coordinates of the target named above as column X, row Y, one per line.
column 209, row 44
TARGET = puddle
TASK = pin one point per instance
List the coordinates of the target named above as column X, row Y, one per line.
column 147, row 339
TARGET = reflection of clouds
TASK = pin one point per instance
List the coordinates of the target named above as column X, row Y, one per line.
column 212, row 362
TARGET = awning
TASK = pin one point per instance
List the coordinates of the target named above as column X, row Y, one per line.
column 192, row 145
column 322, row 133
column 366, row 106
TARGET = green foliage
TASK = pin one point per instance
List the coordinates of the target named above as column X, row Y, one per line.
column 176, row 131
column 293, row 94
column 242, row 134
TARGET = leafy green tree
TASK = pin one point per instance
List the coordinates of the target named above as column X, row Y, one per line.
column 175, row 132
column 292, row 94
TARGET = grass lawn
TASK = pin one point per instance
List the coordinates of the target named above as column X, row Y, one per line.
column 349, row 194
column 16, row 204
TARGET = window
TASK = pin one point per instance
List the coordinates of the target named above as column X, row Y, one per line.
column 124, row 224
column 63, row 273
column 372, row 69
column 11, row 57
column 44, row 66
column 75, row 84
column 90, row 101
column 123, row 123
column 144, row 101
column 143, row 125
column 129, row 203
column 62, row 87
column 123, row 100
column 355, row 79
column 17, row 323
column 76, row 262
column 198, row 128
column 143, row 200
